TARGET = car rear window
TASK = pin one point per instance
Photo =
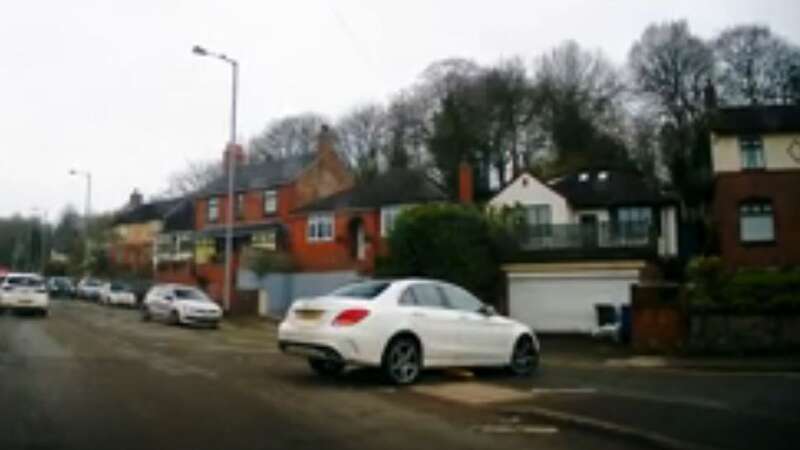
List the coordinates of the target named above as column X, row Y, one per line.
column 25, row 281
column 364, row 291
column 118, row 287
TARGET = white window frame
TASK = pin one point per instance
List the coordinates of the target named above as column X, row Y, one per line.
column 389, row 217
column 754, row 144
column 270, row 204
column 213, row 217
column 321, row 227
column 750, row 214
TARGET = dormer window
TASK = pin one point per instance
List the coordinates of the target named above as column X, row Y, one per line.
column 583, row 177
column 602, row 176
column 751, row 150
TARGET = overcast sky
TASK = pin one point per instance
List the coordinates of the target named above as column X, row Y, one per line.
column 112, row 87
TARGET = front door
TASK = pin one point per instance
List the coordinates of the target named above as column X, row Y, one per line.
column 588, row 230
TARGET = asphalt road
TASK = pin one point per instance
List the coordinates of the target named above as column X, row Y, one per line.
column 93, row 377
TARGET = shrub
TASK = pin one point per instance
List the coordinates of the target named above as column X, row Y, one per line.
column 448, row 242
column 262, row 262
column 745, row 290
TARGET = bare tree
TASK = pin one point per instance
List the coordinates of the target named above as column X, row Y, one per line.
column 578, row 98
column 755, row 65
column 670, row 68
column 363, row 137
column 288, row 136
column 671, row 65
column 194, row 177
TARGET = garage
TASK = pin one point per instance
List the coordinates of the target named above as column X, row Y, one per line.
column 562, row 299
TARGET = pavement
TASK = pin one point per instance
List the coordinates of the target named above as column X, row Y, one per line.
column 97, row 377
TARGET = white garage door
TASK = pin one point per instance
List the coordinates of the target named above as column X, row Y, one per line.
column 565, row 302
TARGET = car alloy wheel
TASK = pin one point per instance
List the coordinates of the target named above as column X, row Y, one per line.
column 402, row 361
column 524, row 358
column 174, row 319
column 326, row 367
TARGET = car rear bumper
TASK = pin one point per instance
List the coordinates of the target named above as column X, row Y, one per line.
column 24, row 303
column 338, row 344
column 207, row 321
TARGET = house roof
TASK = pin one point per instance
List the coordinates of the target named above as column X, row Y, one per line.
column 587, row 188
column 180, row 217
column 261, row 175
column 395, row 187
column 756, row 119
column 145, row 212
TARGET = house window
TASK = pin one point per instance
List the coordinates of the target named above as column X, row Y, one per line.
column 320, row 227
column 756, row 222
column 240, row 205
column 388, row 217
column 270, row 202
column 752, row 152
column 213, row 209
column 539, row 218
column 634, row 220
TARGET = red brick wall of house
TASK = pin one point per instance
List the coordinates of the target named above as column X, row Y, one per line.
column 178, row 272
column 783, row 189
column 336, row 254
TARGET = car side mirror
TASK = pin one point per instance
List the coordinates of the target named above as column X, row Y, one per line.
column 169, row 298
column 488, row 310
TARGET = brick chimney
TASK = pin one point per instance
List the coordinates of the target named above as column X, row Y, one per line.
column 466, row 183
column 136, row 199
column 233, row 150
column 326, row 140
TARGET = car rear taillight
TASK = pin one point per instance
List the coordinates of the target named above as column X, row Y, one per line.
column 350, row 317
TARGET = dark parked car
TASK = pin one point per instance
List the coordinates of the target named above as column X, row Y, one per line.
column 61, row 287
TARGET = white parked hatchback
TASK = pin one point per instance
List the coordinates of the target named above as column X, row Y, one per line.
column 24, row 291
column 405, row 326
column 180, row 304
column 116, row 293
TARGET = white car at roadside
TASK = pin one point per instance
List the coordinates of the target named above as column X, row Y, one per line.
column 179, row 304
column 403, row 327
column 24, row 291
column 115, row 293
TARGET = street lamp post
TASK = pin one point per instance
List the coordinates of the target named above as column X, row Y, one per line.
column 231, row 169
column 87, row 207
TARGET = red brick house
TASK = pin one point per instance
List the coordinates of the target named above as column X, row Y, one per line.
column 756, row 161
column 347, row 230
column 266, row 193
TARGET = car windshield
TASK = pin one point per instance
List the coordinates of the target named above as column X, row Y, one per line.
column 92, row 283
column 25, row 281
column 190, row 294
column 118, row 287
column 363, row 291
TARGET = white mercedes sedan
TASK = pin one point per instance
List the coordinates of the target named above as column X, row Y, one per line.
column 403, row 327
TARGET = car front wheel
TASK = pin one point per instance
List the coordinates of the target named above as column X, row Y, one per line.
column 325, row 367
column 524, row 357
column 402, row 360
column 146, row 314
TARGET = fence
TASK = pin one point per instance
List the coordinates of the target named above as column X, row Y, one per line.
column 283, row 288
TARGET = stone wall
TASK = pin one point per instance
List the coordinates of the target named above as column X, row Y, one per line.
column 742, row 333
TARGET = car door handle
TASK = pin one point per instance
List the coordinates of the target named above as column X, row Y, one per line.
column 418, row 314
